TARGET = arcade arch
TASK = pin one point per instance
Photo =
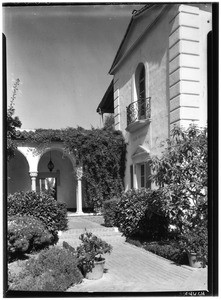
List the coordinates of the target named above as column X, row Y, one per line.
column 66, row 175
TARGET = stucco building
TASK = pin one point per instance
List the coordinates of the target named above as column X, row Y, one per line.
column 160, row 78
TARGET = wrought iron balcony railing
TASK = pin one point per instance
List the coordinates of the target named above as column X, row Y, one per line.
column 138, row 110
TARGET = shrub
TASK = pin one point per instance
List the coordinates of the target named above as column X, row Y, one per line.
column 140, row 213
column 196, row 241
column 181, row 174
column 25, row 234
column 110, row 212
column 54, row 269
column 39, row 205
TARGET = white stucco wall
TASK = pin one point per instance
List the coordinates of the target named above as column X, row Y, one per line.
column 172, row 89
column 66, row 189
column 153, row 53
column 205, row 28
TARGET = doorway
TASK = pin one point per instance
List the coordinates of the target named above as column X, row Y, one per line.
column 48, row 185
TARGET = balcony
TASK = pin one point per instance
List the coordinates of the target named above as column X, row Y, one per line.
column 138, row 114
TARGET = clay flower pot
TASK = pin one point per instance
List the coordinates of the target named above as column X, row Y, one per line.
column 97, row 271
column 195, row 260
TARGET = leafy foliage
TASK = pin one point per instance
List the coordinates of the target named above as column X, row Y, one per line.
column 139, row 212
column 40, row 205
column 102, row 153
column 90, row 250
column 110, row 209
column 12, row 124
column 181, row 173
column 168, row 249
column 54, row 269
column 26, row 234
column 196, row 241
column 109, row 122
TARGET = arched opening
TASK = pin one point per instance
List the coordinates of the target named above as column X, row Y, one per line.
column 62, row 178
column 18, row 174
column 140, row 83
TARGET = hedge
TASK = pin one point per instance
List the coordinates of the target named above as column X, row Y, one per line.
column 110, row 212
column 41, row 206
column 139, row 213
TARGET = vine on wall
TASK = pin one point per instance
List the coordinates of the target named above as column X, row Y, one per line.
column 102, row 153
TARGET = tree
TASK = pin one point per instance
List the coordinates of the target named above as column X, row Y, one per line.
column 109, row 122
column 13, row 122
column 181, row 174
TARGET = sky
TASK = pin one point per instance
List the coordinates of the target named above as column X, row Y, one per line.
column 62, row 56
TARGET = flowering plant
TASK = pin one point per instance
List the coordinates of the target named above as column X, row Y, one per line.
column 90, row 251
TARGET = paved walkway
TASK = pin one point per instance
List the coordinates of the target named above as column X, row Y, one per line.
column 129, row 268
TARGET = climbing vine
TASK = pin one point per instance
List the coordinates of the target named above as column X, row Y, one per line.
column 101, row 152
column 13, row 122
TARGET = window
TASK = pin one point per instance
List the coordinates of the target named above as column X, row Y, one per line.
column 131, row 177
column 144, row 174
column 141, row 91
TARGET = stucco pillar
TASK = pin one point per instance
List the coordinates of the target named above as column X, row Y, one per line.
column 185, row 78
column 79, row 174
column 33, row 180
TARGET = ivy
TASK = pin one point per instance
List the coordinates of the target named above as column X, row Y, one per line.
column 102, row 153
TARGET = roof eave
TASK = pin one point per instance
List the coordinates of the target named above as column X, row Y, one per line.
column 134, row 16
column 108, row 97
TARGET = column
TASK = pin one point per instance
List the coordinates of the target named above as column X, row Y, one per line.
column 33, row 180
column 79, row 173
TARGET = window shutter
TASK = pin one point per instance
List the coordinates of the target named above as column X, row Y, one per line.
column 131, row 177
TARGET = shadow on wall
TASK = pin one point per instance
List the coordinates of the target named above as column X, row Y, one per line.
column 18, row 174
column 63, row 169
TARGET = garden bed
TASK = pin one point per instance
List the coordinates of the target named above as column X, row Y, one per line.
column 168, row 249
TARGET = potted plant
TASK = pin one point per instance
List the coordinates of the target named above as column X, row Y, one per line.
column 89, row 254
column 195, row 243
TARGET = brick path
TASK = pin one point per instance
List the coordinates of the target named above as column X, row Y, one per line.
column 129, row 268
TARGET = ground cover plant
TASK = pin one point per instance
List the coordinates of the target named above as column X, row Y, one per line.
column 39, row 205
column 54, row 269
column 168, row 248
